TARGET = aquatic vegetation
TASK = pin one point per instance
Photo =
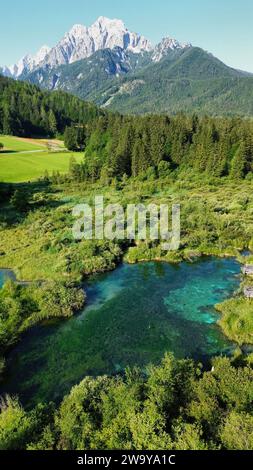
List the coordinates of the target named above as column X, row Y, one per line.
column 21, row 307
column 133, row 315
column 237, row 319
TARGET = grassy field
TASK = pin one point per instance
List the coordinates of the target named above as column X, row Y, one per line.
column 18, row 168
column 16, row 144
column 27, row 159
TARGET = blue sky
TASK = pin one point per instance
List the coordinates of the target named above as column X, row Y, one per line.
column 223, row 27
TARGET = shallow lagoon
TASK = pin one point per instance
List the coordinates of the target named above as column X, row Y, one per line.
column 133, row 316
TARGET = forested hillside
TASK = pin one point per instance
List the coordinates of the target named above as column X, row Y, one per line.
column 85, row 78
column 25, row 110
column 188, row 80
column 192, row 81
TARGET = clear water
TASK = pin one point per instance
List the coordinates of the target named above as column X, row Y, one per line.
column 6, row 274
column 134, row 315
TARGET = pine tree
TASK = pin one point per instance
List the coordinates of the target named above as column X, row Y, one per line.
column 121, row 162
column 7, row 123
column 239, row 162
column 52, row 123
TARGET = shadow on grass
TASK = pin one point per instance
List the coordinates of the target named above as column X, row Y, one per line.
column 9, row 215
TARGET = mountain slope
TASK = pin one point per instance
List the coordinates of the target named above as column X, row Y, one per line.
column 88, row 76
column 193, row 63
column 190, row 81
column 25, row 110
column 185, row 79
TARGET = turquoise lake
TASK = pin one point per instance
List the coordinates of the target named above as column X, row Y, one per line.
column 133, row 316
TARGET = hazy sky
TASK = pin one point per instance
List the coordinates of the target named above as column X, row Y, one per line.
column 223, row 27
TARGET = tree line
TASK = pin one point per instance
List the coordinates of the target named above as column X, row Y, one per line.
column 117, row 145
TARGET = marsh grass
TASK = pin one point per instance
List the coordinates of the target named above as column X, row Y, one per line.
column 237, row 319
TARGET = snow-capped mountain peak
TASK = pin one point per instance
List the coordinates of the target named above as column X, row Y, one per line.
column 110, row 33
column 27, row 63
column 82, row 42
column 41, row 54
column 77, row 30
column 165, row 46
column 24, row 62
column 105, row 22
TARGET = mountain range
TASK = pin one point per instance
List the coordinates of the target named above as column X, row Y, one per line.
column 121, row 70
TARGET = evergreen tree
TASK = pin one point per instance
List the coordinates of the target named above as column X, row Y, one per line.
column 74, row 138
column 239, row 162
column 52, row 123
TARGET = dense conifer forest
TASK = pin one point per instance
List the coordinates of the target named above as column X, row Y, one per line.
column 157, row 145
column 27, row 111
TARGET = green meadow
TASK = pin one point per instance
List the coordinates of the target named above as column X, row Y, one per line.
column 16, row 144
column 17, row 166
